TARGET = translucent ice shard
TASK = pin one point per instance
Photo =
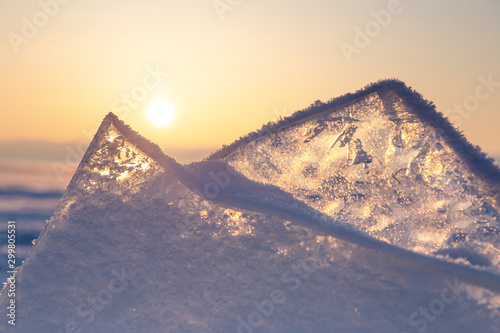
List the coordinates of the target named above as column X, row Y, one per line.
column 384, row 161
column 140, row 243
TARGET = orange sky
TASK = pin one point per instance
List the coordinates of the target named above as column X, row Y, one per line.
column 228, row 77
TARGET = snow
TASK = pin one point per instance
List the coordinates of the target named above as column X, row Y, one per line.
column 387, row 230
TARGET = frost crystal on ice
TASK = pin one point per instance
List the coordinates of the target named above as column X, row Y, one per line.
column 389, row 173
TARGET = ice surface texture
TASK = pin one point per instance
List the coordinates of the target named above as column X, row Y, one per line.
column 365, row 214
column 377, row 165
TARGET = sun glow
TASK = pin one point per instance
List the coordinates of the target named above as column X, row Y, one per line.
column 161, row 112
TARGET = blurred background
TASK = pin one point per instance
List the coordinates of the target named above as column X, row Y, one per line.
column 227, row 67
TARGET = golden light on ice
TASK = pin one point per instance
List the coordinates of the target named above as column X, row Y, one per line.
column 161, row 112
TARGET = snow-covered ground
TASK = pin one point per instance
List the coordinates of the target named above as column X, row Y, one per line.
column 366, row 214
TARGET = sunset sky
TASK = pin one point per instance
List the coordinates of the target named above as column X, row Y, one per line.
column 228, row 69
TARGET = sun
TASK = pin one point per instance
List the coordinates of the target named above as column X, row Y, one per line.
column 161, row 112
